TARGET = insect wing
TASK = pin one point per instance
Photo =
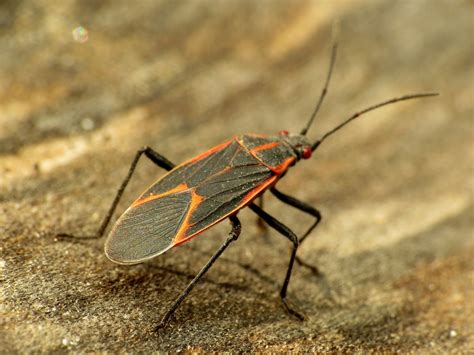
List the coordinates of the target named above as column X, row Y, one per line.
column 189, row 199
column 223, row 194
column 147, row 229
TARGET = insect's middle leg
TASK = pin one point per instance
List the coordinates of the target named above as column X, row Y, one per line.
column 233, row 235
column 156, row 158
column 288, row 233
column 304, row 207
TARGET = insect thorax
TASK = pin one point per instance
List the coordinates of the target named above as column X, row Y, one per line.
column 277, row 152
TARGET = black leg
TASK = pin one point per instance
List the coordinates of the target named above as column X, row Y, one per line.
column 287, row 232
column 302, row 206
column 260, row 222
column 156, row 158
column 233, row 235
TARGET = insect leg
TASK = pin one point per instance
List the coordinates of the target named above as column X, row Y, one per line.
column 260, row 223
column 304, row 207
column 233, row 235
column 156, row 158
column 287, row 232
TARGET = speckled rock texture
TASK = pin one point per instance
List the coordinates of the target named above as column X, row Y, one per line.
column 395, row 187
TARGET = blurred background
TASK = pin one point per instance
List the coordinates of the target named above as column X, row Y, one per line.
column 84, row 84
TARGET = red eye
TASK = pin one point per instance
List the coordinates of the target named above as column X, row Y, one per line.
column 284, row 133
column 307, row 151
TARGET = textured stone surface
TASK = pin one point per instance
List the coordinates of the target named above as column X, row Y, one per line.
column 395, row 188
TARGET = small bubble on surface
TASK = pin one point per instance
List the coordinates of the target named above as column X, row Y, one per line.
column 87, row 124
column 80, row 34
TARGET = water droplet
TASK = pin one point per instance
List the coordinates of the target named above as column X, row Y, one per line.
column 87, row 124
column 80, row 34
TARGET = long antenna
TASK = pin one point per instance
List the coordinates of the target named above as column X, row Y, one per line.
column 324, row 91
column 357, row 114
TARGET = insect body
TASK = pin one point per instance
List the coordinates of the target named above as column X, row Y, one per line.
column 212, row 187
column 201, row 192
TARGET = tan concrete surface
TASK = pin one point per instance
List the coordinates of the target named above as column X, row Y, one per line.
column 395, row 188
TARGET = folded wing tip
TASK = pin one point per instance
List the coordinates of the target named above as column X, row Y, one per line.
column 147, row 230
column 116, row 253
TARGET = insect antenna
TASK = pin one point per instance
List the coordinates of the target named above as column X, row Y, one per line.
column 323, row 92
column 357, row 114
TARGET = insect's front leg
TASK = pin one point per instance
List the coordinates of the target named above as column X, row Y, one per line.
column 156, row 158
column 288, row 233
column 304, row 207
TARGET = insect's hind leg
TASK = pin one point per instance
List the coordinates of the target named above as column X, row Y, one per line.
column 288, row 233
column 304, row 207
column 156, row 158
column 233, row 235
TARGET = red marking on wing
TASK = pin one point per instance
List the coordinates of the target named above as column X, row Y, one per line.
column 265, row 147
column 207, row 153
column 255, row 192
column 140, row 201
column 280, row 169
column 181, row 236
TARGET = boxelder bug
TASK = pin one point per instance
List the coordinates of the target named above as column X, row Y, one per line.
column 216, row 185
